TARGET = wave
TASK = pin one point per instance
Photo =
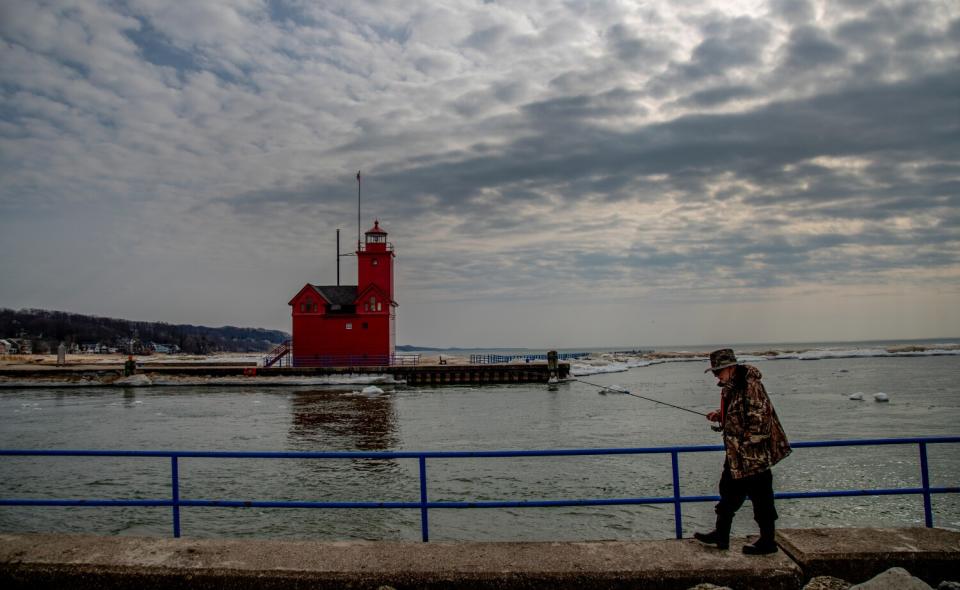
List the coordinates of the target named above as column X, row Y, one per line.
column 816, row 355
column 618, row 362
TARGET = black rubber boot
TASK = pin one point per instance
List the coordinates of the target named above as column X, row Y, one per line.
column 765, row 545
column 719, row 536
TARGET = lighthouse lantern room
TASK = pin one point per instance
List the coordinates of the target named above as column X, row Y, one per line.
column 349, row 325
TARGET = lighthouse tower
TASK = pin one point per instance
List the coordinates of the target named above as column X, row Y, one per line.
column 375, row 287
column 337, row 325
column 375, row 263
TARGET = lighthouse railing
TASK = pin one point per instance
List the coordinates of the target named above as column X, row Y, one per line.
column 356, row 360
column 280, row 352
column 389, row 246
column 499, row 359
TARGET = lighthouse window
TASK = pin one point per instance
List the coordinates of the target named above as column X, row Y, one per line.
column 348, row 326
column 379, row 306
column 374, row 262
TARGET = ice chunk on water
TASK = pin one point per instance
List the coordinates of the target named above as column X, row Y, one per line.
column 134, row 381
column 881, row 397
column 857, row 397
column 371, row 390
column 582, row 370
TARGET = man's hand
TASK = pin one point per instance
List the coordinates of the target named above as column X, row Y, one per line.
column 714, row 416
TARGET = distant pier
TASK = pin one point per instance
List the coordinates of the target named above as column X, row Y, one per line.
column 439, row 375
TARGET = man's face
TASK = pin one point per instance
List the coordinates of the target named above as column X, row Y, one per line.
column 724, row 375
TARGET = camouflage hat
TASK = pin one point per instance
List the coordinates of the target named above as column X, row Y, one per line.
column 721, row 359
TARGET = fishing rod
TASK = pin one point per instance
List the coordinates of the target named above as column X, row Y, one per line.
column 649, row 399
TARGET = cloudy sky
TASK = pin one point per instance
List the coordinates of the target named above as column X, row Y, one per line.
column 552, row 174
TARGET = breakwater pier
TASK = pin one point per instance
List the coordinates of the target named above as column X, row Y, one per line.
column 423, row 374
column 854, row 555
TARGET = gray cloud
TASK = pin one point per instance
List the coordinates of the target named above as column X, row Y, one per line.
column 717, row 96
column 727, row 45
column 796, row 12
column 810, row 47
column 634, row 50
column 771, row 146
column 880, row 121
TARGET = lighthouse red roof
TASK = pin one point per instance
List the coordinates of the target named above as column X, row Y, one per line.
column 376, row 229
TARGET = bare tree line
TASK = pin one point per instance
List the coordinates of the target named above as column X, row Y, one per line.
column 47, row 329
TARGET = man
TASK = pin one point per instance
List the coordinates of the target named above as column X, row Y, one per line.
column 754, row 442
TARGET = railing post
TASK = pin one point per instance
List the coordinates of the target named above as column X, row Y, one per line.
column 925, row 478
column 424, row 524
column 175, row 481
column 677, row 515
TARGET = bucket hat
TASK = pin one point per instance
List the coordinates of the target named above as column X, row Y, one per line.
column 721, row 359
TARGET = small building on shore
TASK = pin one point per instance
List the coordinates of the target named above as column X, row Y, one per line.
column 349, row 325
column 16, row 346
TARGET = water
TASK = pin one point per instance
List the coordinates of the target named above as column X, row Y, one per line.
column 810, row 397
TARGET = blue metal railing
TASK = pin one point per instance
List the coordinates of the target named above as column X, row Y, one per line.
column 175, row 502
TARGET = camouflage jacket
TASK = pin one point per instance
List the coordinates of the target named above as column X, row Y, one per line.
column 752, row 434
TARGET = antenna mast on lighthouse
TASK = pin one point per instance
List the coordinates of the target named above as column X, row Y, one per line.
column 358, row 210
column 358, row 232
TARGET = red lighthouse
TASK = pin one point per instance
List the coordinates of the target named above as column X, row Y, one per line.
column 347, row 325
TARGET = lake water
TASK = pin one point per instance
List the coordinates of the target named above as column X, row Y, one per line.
column 811, row 398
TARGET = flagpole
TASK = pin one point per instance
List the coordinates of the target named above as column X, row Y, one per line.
column 358, row 210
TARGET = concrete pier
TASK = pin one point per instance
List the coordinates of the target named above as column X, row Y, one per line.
column 856, row 555
column 411, row 374
column 62, row 561
column 72, row 561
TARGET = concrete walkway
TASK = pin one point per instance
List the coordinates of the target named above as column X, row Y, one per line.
column 71, row 561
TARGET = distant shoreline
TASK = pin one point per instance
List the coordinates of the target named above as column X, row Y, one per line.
column 756, row 352
column 743, row 348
